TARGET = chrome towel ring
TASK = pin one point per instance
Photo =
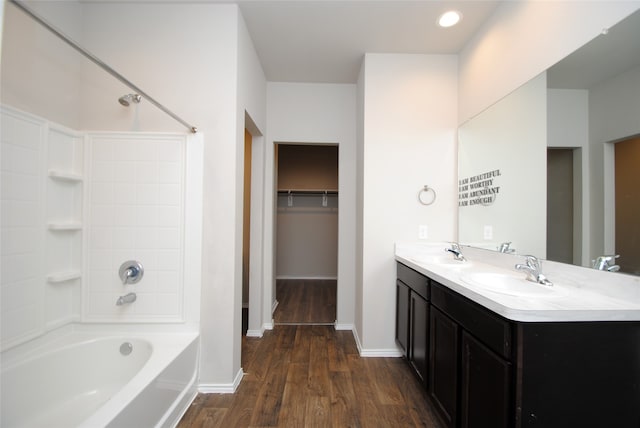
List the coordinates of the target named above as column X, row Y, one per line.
column 427, row 195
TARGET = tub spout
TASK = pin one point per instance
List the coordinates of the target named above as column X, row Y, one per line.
column 127, row 298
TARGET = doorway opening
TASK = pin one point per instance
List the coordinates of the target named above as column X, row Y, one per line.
column 564, row 205
column 246, row 229
column 560, row 205
column 306, row 233
column 627, row 205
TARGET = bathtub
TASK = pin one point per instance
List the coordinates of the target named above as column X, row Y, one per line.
column 115, row 380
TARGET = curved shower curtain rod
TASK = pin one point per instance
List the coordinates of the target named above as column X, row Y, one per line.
column 99, row 62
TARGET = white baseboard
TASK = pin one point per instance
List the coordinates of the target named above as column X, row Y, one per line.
column 274, row 306
column 255, row 333
column 349, row 327
column 268, row 325
column 383, row 352
column 221, row 388
column 319, row 277
column 380, row 352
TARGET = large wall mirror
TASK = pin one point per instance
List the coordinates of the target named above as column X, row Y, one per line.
column 554, row 167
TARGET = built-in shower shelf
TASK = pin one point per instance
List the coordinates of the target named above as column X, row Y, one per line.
column 65, row 175
column 61, row 227
column 64, row 276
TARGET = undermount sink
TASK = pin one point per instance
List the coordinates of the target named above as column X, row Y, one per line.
column 508, row 284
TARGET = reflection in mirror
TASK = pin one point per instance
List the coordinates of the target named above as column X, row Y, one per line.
column 558, row 144
column 501, row 151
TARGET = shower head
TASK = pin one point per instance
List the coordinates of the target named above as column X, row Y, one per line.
column 126, row 100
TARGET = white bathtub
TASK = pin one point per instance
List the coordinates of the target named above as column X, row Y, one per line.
column 78, row 380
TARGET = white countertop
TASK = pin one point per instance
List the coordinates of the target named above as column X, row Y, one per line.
column 577, row 294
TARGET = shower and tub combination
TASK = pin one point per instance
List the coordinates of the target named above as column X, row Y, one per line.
column 107, row 380
column 100, row 268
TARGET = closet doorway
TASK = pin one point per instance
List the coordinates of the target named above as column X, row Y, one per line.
column 306, row 233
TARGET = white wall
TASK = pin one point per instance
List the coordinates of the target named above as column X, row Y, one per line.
column 250, row 114
column 40, row 73
column 524, row 38
column 359, row 244
column 315, row 113
column 408, row 140
column 567, row 117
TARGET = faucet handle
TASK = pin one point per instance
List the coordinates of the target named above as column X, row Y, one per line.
column 130, row 272
column 532, row 261
column 455, row 246
column 602, row 262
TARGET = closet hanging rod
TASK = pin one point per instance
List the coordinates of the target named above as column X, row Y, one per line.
column 99, row 62
column 307, row 192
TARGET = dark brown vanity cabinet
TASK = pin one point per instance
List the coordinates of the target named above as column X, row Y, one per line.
column 459, row 350
column 485, row 386
column 471, row 370
column 412, row 319
column 419, row 336
column 444, row 363
column 485, row 371
column 403, row 302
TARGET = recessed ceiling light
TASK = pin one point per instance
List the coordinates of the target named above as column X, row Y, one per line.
column 450, row 18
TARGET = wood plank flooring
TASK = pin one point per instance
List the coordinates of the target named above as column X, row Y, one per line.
column 312, row 376
column 305, row 301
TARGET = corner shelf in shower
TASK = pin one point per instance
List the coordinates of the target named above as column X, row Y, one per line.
column 60, row 227
column 65, row 176
column 64, row 276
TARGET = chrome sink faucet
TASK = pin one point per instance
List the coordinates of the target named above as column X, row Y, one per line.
column 504, row 248
column 603, row 263
column 533, row 268
column 456, row 251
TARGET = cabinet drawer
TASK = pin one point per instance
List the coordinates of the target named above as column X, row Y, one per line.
column 493, row 331
column 416, row 281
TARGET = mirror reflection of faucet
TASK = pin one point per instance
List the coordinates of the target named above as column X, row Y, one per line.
column 605, row 263
column 505, row 248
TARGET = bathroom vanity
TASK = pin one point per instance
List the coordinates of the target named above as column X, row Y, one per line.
column 494, row 356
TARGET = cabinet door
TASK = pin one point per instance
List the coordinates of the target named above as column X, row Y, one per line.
column 402, row 316
column 419, row 341
column 485, row 387
column 444, row 365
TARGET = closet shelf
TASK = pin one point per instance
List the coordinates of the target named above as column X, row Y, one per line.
column 64, row 226
column 64, row 276
column 65, row 175
column 306, row 192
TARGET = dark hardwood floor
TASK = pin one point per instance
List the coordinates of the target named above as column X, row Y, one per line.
column 305, row 301
column 312, row 376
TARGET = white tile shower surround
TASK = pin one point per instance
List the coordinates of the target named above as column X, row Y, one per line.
column 135, row 212
column 59, row 246
column 22, row 218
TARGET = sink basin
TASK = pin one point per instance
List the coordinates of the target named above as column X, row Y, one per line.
column 508, row 284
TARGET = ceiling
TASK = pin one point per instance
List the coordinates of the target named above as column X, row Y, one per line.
column 323, row 41
column 606, row 56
